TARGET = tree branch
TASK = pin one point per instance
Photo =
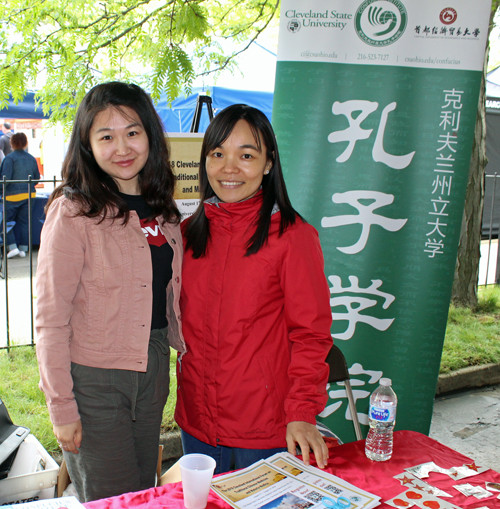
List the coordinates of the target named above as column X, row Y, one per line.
column 234, row 55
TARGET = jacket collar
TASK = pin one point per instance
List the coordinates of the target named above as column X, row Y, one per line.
column 244, row 211
column 239, row 214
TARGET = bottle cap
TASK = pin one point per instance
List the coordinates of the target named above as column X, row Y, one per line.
column 386, row 382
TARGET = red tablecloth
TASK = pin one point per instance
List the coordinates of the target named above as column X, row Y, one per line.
column 349, row 462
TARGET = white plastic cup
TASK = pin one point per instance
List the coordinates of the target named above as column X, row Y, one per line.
column 197, row 471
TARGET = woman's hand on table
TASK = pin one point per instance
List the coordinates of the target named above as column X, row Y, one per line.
column 69, row 436
column 307, row 437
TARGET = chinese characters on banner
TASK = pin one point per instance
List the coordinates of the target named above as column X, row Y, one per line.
column 450, row 123
column 374, row 110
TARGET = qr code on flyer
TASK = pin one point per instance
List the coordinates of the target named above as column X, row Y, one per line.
column 333, row 489
column 314, row 496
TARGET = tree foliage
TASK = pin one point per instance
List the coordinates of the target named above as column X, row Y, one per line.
column 63, row 47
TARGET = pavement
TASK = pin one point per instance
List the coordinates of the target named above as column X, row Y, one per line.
column 469, row 422
column 466, row 414
column 19, row 301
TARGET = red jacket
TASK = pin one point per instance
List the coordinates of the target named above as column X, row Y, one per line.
column 257, row 331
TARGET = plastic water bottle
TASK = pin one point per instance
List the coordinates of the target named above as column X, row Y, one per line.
column 381, row 418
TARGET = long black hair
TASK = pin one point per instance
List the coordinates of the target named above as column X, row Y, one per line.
column 197, row 231
column 96, row 192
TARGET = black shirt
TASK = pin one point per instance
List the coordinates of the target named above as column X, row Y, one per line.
column 162, row 256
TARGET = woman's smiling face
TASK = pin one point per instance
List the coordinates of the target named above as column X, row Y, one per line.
column 120, row 146
column 235, row 169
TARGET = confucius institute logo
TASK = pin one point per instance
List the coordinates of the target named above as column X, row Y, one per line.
column 380, row 22
column 448, row 16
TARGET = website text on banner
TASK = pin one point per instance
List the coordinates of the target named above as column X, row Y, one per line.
column 374, row 110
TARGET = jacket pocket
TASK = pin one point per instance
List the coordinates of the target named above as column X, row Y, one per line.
column 110, row 244
column 275, row 388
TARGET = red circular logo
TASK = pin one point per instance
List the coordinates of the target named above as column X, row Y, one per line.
column 448, row 16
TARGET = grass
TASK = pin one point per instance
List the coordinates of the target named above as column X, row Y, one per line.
column 472, row 339
column 26, row 403
column 22, row 397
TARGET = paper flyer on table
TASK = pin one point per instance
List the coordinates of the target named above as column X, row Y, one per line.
column 284, row 482
column 324, row 480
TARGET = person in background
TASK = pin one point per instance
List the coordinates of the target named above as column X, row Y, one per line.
column 108, row 289
column 5, row 139
column 255, row 305
column 18, row 165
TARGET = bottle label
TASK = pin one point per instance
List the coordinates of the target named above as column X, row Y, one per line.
column 382, row 414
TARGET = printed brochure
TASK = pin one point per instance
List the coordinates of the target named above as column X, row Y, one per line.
column 282, row 481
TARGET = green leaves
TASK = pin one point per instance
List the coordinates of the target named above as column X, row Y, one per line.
column 64, row 47
column 173, row 69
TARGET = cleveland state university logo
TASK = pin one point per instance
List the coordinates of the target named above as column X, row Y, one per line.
column 380, row 22
column 294, row 26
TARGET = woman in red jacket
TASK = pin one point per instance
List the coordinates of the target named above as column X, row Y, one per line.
column 255, row 305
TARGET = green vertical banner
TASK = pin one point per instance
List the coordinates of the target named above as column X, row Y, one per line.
column 374, row 111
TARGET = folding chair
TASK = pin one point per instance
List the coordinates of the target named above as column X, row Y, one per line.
column 340, row 373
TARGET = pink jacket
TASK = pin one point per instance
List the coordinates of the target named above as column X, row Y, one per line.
column 94, row 300
column 257, row 330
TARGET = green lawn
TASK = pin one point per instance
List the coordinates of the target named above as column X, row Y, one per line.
column 26, row 403
column 472, row 339
column 21, row 395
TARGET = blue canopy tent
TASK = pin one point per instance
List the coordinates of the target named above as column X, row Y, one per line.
column 23, row 109
column 178, row 117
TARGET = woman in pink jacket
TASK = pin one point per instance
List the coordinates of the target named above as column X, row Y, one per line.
column 108, row 285
column 255, row 305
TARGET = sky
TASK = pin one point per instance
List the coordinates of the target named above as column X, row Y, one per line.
column 257, row 66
